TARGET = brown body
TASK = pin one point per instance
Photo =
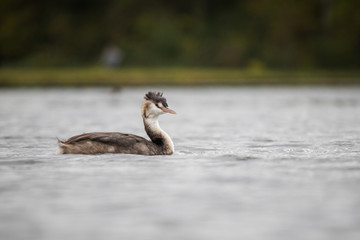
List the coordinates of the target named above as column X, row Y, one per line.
column 114, row 142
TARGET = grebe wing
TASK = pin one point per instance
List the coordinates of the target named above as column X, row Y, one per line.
column 106, row 137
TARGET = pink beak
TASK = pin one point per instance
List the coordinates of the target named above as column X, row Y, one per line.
column 168, row 110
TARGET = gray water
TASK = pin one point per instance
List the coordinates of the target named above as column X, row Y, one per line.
column 250, row 163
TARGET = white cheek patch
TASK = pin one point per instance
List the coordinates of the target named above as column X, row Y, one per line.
column 155, row 110
column 153, row 107
column 160, row 105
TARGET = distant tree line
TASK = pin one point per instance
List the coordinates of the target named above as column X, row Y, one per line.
column 247, row 33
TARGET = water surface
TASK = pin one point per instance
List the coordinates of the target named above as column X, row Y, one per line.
column 250, row 163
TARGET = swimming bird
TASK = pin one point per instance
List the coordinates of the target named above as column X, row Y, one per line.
column 153, row 105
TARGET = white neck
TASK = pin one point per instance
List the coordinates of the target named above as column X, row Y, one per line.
column 154, row 131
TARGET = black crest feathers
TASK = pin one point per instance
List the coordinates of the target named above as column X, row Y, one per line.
column 156, row 97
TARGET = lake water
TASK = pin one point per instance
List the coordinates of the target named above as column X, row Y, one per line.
column 249, row 163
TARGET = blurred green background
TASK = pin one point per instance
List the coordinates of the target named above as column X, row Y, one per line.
column 256, row 36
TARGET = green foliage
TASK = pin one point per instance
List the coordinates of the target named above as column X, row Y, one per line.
column 257, row 34
column 254, row 74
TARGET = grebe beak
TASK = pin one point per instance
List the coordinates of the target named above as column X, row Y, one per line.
column 168, row 110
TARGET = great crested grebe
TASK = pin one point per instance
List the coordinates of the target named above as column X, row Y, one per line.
column 153, row 106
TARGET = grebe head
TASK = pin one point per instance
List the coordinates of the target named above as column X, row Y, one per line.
column 155, row 104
